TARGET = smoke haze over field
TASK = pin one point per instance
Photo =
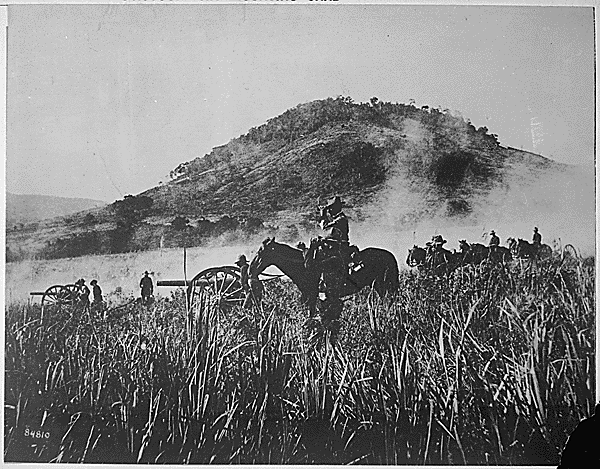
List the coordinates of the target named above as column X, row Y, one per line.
column 560, row 202
column 117, row 270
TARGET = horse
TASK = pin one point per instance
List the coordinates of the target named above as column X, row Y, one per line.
column 500, row 254
column 473, row 253
column 513, row 246
column 442, row 261
column 416, row 257
column 525, row 250
column 378, row 268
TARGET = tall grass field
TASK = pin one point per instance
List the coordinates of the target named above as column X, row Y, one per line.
column 493, row 365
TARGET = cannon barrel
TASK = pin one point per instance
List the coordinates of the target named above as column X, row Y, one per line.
column 173, row 283
column 37, row 293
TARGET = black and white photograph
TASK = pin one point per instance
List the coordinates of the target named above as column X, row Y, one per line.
column 300, row 233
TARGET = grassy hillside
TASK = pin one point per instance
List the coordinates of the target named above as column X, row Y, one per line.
column 271, row 179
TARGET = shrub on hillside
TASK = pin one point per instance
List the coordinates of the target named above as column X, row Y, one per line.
column 76, row 245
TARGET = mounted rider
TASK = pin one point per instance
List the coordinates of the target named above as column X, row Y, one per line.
column 333, row 219
column 537, row 237
column 494, row 242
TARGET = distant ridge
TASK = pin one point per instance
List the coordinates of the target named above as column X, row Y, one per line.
column 398, row 168
column 28, row 208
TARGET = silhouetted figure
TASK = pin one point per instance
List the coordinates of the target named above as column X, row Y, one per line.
column 583, row 446
column 96, row 292
column 494, row 243
column 147, row 289
column 333, row 219
column 494, row 240
column 83, row 299
column 97, row 301
column 253, row 288
column 242, row 263
column 537, row 237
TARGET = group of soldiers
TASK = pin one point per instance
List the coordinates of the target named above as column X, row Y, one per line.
column 437, row 242
column 97, row 304
column 83, row 293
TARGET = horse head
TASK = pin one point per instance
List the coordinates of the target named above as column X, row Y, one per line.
column 463, row 245
column 268, row 254
column 416, row 256
column 291, row 262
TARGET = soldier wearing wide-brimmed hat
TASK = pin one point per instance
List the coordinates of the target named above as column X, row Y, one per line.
column 494, row 239
column 438, row 241
column 84, row 293
column 242, row 263
column 147, row 288
column 250, row 284
column 333, row 219
column 537, row 237
column 97, row 301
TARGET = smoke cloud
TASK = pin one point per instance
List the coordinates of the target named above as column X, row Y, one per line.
column 559, row 201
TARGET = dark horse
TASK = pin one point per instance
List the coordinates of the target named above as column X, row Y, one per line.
column 379, row 269
column 477, row 253
column 438, row 262
column 473, row 253
column 524, row 250
column 416, row 257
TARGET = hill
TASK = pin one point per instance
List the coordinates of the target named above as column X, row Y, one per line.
column 28, row 208
column 398, row 168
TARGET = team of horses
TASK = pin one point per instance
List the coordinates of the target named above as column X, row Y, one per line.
column 319, row 268
column 442, row 260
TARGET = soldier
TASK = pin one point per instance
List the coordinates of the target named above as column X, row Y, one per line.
column 436, row 251
column 250, row 284
column 147, row 288
column 96, row 292
column 334, row 219
column 494, row 240
column 97, row 302
column 84, row 293
column 242, row 263
column 438, row 242
column 537, row 237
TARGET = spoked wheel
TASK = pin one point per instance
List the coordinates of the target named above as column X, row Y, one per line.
column 570, row 255
column 57, row 296
column 73, row 292
column 218, row 287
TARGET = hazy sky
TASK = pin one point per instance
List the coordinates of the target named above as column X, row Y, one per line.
column 104, row 100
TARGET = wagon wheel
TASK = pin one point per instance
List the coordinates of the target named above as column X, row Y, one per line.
column 56, row 295
column 72, row 294
column 569, row 252
column 219, row 286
